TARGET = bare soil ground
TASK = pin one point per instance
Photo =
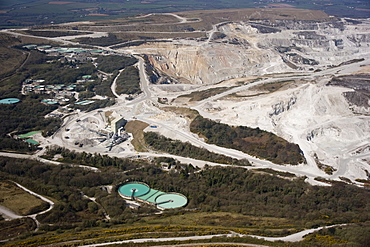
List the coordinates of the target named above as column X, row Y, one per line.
column 364, row 70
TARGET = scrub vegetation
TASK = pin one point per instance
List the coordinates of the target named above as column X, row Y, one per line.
column 27, row 115
column 111, row 39
column 11, row 58
column 52, row 34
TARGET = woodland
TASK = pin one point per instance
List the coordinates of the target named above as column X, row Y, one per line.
column 127, row 82
column 253, row 141
column 111, row 63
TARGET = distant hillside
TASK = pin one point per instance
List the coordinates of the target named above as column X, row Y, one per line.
column 12, row 3
column 43, row 12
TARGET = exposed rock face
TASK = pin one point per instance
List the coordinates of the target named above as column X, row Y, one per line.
column 321, row 44
column 214, row 62
column 359, row 101
column 282, row 106
column 239, row 49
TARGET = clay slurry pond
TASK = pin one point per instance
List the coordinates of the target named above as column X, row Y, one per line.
column 9, row 101
column 141, row 192
column 171, row 200
column 133, row 190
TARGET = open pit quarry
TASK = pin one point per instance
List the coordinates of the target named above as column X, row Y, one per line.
column 279, row 77
column 306, row 81
column 241, row 49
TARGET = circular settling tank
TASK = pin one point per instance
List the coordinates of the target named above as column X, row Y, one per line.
column 133, row 189
column 171, row 200
column 9, row 101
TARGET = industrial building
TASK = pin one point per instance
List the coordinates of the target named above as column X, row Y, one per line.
column 117, row 124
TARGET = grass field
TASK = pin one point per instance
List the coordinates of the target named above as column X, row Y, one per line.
column 165, row 26
column 18, row 200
